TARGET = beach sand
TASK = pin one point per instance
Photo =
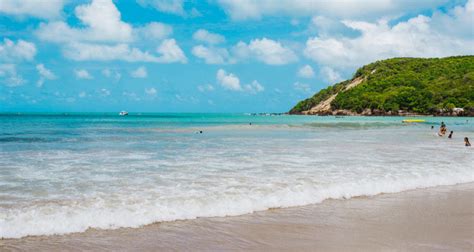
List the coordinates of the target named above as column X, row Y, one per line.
column 434, row 219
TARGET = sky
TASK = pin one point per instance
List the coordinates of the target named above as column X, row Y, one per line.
column 208, row 55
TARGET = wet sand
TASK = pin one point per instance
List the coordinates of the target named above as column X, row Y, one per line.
column 434, row 219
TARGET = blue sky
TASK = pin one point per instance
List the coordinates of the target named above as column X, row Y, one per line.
column 208, row 56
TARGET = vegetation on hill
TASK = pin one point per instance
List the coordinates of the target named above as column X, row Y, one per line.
column 424, row 86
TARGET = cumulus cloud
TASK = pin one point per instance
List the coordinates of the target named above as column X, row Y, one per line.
column 45, row 74
column 87, row 51
column 254, row 87
column 139, row 73
column 175, row 7
column 154, row 31
column 302, row 87
column 359, row 9
column 231, row 82
column 109, row 73
column 16, row 51
column 417, row 37
column 265, row 50
column 228, row 81
column 102, row 22
column 151, row 91
column 208, row 37
column 170, row 52
column 82, row 94
column 9, row 76
column 131, row 95
column 34, row 8
column 330, row 75
column 205, row 88
column 211, row 55
column 306, row 72
column 83, row 74
column 103, row 36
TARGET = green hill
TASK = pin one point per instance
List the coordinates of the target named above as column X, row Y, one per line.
column 400, row 85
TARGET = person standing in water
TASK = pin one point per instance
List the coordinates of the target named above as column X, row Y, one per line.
column 451, row 134
column 442, row 129
column 466, row 142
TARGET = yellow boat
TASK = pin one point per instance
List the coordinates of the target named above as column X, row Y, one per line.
column 413, row 121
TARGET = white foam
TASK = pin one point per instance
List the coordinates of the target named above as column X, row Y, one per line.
column 224, row 175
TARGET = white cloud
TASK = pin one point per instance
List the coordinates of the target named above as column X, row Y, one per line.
column 306, row 72
column 40, row 9
column 151, row 91
column 330, row 75
column 103, row 36
column 231, row 82
column 45, row 74
column 325, row 26
column 228, row 81
column 170, row 52
column 168, row 6
column 368, row 9
column 205, row 88
column 85, row 51
column 211, row 55
column 417, row 37
column 21, row 50
column 187, row 99
column 139, row 72
column 104, row 92
column 154, row 31
column 131, row 95
column 254, row 87
column 102, row 22
column 266, row 50
column 9, row 76
column 303, row 87
column 82, row 94
column 208, row 37
column 83, row 74
column 111, row 74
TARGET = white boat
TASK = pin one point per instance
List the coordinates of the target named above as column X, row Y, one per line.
column 123, row 113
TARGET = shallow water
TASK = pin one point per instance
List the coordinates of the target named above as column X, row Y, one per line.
column 67, row 173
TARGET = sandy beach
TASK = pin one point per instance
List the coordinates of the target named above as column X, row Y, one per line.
column 434, row 219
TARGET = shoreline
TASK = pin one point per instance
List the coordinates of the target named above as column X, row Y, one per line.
column 377, row 115
column 437, row 218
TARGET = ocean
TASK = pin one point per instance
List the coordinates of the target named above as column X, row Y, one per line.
column 63, row 173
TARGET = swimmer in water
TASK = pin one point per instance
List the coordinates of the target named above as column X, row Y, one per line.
column 442, row 129
column 466, row 142
column 450, row 134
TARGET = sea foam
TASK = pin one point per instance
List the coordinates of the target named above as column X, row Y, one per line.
column 130, row 178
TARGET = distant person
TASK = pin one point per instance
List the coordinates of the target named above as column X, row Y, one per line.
column 432, row 127
column 466, row 142
column 442, row 129
column 450, row 134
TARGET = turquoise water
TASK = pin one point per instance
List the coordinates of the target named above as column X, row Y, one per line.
column 62, row 173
